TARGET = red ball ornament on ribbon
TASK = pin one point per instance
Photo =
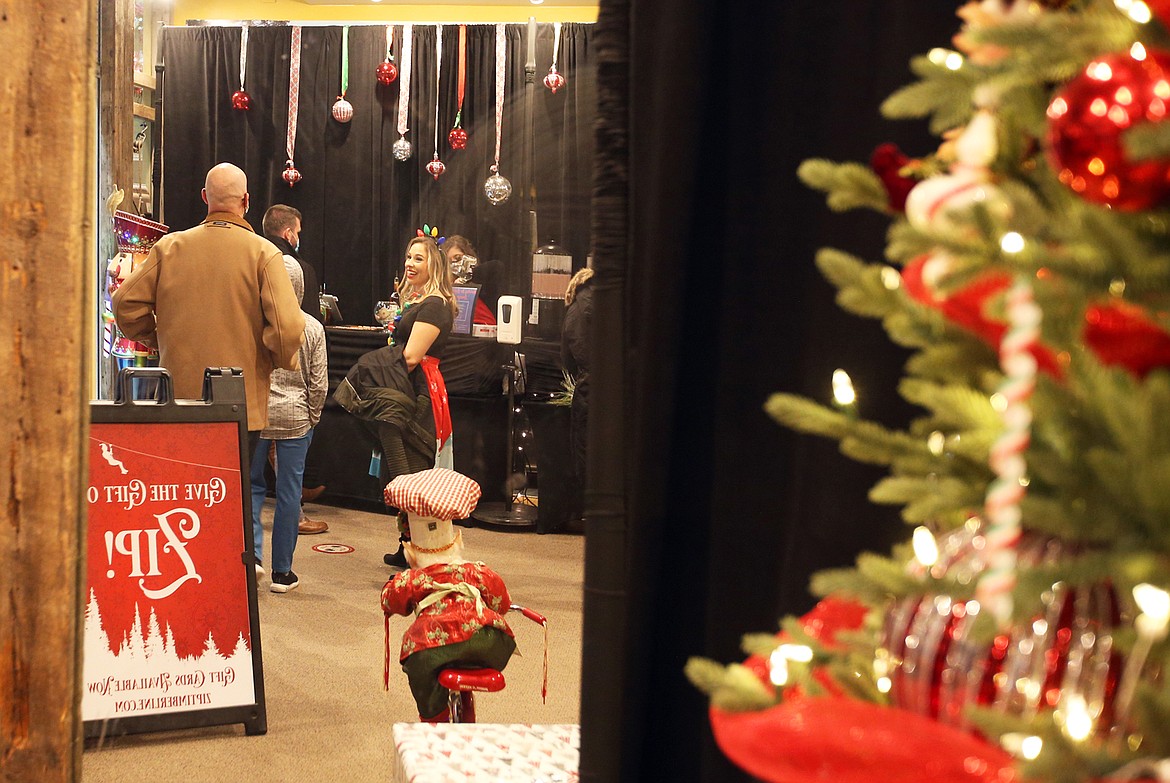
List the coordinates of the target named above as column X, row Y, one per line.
column 457, row 138
column 1086, row 122
column 290, row 174
column 387, row 72
column 241, row 101
column 436, row 167
column 554, row 81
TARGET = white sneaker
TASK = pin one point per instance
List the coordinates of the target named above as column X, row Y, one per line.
column 260, row 569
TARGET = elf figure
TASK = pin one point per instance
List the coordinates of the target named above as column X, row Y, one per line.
column 458, row 604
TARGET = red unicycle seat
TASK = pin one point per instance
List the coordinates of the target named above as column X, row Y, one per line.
column 463, row 680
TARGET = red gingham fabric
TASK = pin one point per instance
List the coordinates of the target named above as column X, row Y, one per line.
column 438, row 493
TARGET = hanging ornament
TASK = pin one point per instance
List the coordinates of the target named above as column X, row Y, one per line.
column 496, row 187
column 241, row 100
column 290, row 173
column 387, row 71
column 436, row 166
column 402, row 148
column 889, row 163
column 343, row 109
column 1061, row 655
column 457, row 138
column 554, row 81
column 1087, row 119
column 1122, row 334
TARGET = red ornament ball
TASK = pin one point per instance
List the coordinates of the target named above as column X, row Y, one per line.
column 241, row 101
column 554, row 81
column 387, row 72
column 436, row 167
column 290, row 174
column 1086, row 122
column 457, row 138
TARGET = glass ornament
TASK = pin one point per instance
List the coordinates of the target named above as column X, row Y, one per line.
column 1089, row 117
column 1063, row 653
column 497, row 188
column 387, row 72
column 401, row 149
column 554, row 81
column 241, row 101
column 457, row 138
column 342, row 110
column 290, row 174
column 436, row 167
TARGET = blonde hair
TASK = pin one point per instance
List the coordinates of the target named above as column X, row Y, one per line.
column 581, row 277
column 438, row 275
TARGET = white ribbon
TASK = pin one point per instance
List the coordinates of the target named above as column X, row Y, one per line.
column 438, row 73
column 556, row 43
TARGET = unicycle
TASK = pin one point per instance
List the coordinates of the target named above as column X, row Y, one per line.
column 463, row 684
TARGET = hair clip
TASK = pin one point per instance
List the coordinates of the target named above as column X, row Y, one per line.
column 431, row 232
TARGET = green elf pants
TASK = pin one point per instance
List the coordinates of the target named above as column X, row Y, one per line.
column 488, row 648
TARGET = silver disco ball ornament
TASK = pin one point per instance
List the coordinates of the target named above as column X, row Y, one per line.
column 401, row 149
column 343, row 110
column 497, row 189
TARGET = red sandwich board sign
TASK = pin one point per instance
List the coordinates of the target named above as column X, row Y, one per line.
column 172, row 632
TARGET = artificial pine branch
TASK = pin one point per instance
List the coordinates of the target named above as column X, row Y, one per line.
column 734, row 688
column 848, row 185
column 941, row 93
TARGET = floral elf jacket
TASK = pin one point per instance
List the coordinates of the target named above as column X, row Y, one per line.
column 456, row 600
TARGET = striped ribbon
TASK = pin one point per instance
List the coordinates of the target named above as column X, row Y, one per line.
column 1002, row 503
column 294, row 90
column 243, row 54
column 501, row 45
column 404, row 79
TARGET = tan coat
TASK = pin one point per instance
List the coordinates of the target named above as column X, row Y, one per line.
column 216, row 295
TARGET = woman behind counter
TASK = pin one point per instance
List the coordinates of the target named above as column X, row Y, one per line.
column 428, row 315
column 398, row 390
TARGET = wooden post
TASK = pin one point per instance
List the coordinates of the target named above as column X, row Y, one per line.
column 115, row 133
column 46, row 203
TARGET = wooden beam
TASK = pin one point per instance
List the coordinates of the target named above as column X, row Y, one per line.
column 48, row 95
column 144, row 111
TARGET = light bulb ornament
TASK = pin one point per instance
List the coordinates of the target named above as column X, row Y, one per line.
column 496, row 187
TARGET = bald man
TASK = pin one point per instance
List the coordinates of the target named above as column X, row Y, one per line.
column 216, row 295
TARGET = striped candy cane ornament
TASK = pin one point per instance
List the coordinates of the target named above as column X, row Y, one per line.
column 1002, row 503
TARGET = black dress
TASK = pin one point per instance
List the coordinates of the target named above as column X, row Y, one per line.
column 575, row 356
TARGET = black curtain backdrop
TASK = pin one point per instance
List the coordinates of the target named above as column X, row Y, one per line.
column 728, row 514
column 360, row 205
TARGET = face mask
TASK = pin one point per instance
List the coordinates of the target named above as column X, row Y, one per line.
column 297, row 247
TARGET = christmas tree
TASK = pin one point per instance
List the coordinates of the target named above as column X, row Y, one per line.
column 1020, row 633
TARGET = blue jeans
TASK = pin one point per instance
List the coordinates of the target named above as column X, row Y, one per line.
column 290, row 471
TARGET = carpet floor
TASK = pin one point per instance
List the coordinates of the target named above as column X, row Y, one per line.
column 329, row 718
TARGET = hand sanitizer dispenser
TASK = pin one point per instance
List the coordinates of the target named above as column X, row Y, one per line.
column 509, row 312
